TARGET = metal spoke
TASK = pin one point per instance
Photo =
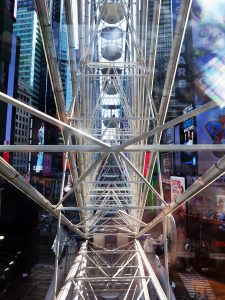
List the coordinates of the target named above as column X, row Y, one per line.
column 113, row 120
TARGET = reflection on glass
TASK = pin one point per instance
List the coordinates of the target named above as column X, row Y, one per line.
column 208, row 31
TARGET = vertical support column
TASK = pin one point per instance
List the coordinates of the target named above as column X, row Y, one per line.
column 160, row 176
column 80, row 285
column 142, row 274
column 72, row 273
column 160, row 293
column 59, row 227
column 57, row 256
column 165, row 240
column 181, row 25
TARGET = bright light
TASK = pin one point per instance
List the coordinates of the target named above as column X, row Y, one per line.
column 211, row 9
column 2, row 237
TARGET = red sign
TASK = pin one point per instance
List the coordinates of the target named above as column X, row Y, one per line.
column 5, row 154
column 67, row 163
column 146, row 165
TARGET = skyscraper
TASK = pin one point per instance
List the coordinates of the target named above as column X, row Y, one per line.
column 165, row 38
column 22, row 132
column 27, row 29
column 59, row 27
column 8, row 68
column 16, row 238
column 180, row 96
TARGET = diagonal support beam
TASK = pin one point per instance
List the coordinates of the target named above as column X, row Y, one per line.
column 97, row 266
column 51, row 120
column 10, row 174
column 143, row 281
column 55, row 79
column 217, row 170
column 168, row 124
column 124, row 265
column 142, row 177
column 82, row 177
column 129, row 288
column 179, row 34
column 63, row 293
column 174, row 58
column 154, row 279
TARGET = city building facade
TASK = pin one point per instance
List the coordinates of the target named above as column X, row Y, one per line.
column 27, row 29
column 22, row 130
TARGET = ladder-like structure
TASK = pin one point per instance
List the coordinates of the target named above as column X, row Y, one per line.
column 115, row 121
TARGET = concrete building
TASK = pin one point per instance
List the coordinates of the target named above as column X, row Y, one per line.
column 22, row 129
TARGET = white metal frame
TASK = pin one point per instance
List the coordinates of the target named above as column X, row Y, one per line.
column 111, row 207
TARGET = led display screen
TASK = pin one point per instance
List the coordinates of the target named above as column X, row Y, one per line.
column 188, row 137
column 208, row 31
column 210, row 130
column 38, row 138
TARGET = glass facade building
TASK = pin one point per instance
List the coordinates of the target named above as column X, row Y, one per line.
column 27, row 29
column 59, row 27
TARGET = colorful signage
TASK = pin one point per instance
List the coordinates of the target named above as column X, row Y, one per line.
column 38, row 137
column 177, row 187
column 146, row 165
column 188, row 137
column 210, row 130
column 208, row 31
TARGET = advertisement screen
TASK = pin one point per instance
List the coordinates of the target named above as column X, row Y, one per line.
column 210, row 130
column 177, row 187
column 146, row 165
column 38, row 138
column 208, row 32
column 40, row 155
column 188, row 137
column 188, row 132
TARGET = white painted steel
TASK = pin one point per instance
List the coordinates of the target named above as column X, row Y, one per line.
column 112, row 115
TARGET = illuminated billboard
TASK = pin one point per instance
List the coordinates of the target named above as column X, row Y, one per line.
column 177, row 187
column 208, row 31
column 38, row 137
column 40, row 155
column 210, row 130
column 188, row 137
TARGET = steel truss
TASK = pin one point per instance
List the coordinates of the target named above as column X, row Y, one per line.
column 112, row 115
